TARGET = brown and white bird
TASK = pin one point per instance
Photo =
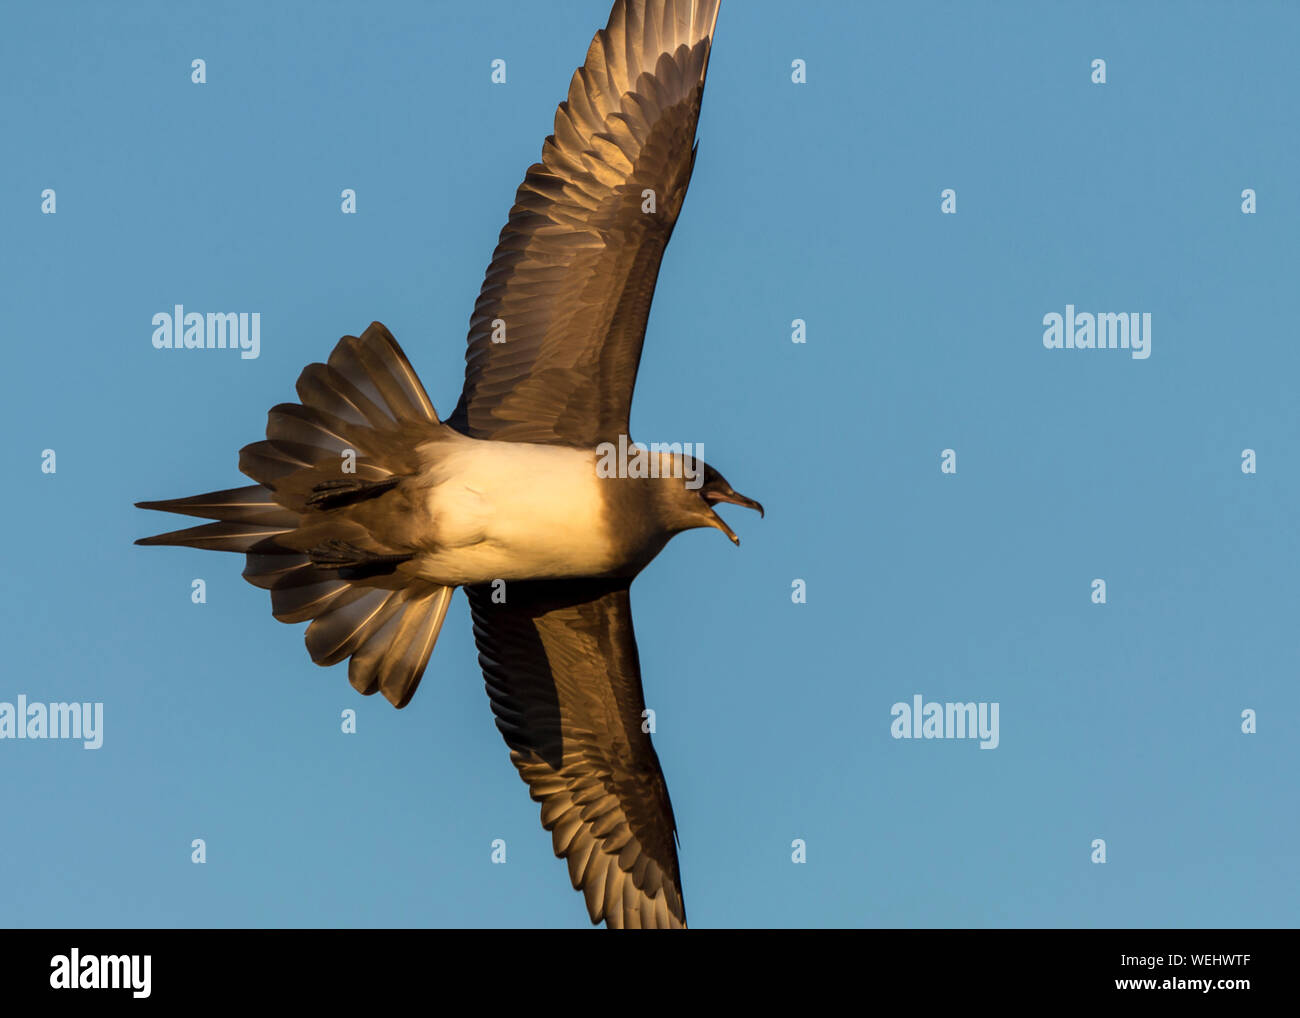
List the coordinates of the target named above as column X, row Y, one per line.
column 368, row 511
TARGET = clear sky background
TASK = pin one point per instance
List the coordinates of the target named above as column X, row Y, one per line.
column 819, row 201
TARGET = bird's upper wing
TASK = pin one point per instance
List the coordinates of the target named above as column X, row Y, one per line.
column 556, row 334
column 560, row 662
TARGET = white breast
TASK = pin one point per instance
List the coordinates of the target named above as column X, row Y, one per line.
column 512, row 511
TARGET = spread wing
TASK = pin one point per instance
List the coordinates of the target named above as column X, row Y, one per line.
column 556, row 334
column 560, row 662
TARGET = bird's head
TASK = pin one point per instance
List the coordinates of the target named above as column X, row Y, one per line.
column 705, row 488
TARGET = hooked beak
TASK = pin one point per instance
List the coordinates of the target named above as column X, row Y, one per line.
column 734, row 498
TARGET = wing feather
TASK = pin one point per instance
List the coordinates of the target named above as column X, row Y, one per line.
column 576, row 265
column 560, row 663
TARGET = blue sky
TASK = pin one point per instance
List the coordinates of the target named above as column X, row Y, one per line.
column 819, row 201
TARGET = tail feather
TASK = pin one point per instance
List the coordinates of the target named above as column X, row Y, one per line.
column 389, row 636
column 237, row 537
column 401, row 647
column 273, row 568
column 321, row 386
column 252, row 504
column 381, row 372
column 367, row 401
column 268, row 462
column 340, row 631
column 311, row 428
column 312, row 601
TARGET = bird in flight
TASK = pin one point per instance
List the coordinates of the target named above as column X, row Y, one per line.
column 368, row 511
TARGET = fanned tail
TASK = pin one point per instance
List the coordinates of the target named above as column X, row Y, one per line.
column 324, row 465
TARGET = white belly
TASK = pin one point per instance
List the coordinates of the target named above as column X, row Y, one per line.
column 512, row 511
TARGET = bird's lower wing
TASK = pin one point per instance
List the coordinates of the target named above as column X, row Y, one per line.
column 560, row 662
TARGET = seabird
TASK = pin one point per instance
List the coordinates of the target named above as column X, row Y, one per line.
column 369, row 511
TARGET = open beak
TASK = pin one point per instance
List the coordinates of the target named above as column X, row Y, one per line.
column 734, row 498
